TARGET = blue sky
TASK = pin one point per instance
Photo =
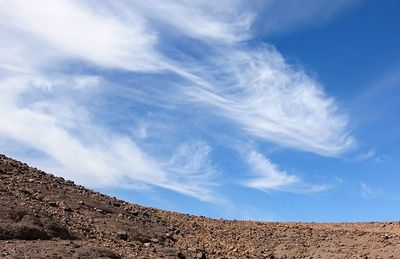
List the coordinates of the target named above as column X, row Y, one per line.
column 269, row 110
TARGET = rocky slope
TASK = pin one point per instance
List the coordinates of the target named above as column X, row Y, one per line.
column 46, row 216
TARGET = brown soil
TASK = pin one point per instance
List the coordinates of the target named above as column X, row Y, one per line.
column 46, row 216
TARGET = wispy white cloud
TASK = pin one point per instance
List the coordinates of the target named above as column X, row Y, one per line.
column 37, row 36
column 191, row 159
column 269, row 177
column 78, row 30
column 266, row 176
column 91, row 155
column 220, row 22
column 368, row 192
column 254, row 88
column 282, row 16
column 268, row 97
column 275, row 101
column 369, row 155
column 365, row 156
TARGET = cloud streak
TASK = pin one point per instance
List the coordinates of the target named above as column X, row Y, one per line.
column 266, row 176
column 59, row 56
column 283, row 16
column 105, row 159
column 77, row 30
column 369, row 193
column 217, row 22
column 276, row 102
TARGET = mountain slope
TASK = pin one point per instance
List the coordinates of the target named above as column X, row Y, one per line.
column 42, row 215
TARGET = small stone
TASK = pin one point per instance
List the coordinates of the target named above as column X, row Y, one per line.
column 64, row 206
column 53, row 204
column 25, row 191
column 67, row 209
column 201, row 255
column 154, row 240
column 136, row 243
column 386, row 236
column 181, row 255
column 122, row 235
column 81, row 203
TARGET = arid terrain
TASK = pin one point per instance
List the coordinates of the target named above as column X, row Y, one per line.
column 44, row 216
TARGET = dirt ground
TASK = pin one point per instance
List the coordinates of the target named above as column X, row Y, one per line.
column 43, row 216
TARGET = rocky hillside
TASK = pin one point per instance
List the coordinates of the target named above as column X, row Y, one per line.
column 42, row 215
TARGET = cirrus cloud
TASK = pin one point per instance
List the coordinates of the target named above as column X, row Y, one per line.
column 59, row 55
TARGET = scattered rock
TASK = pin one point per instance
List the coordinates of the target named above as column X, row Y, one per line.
column 154, row 240
column 98, row 253
column 25, row 191
column 64, row 206
column 53, row 204
column 122, row 235
column 33, row 206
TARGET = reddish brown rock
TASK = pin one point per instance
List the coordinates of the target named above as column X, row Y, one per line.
column 46, row 216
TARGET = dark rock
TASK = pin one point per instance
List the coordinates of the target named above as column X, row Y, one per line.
column 25, row 191
column 122, row 235
column 53, row 204
column 98, row 253
column 22, row 232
